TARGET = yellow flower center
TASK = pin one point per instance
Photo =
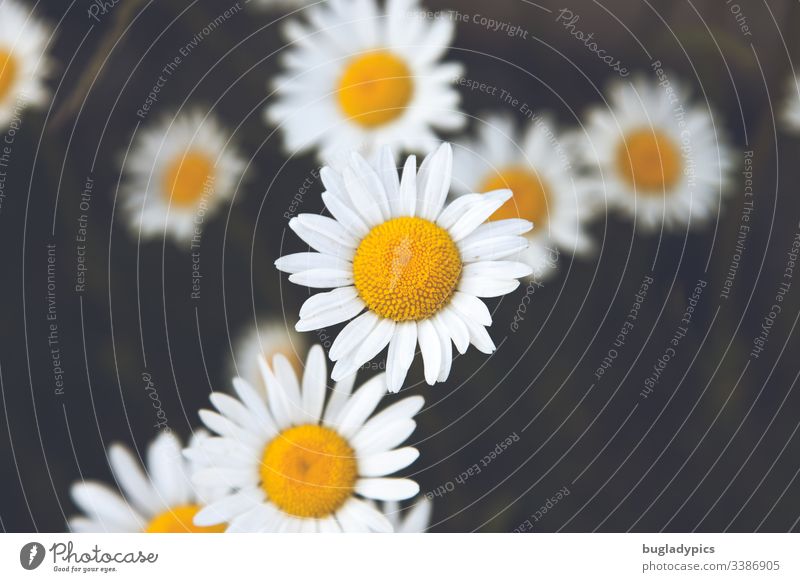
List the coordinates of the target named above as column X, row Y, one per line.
column 8, row 72
column 375, row 88
column 530, row 199
column 309, row 471
column 179, row 520
column 406, row 269
column 650, row 161
column 188, row 178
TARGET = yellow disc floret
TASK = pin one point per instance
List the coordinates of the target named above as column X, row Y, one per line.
column 649, row 161
column 375, row 88
column 530, row 199
column 406, row 269
column 179, row 520
column 188, row 177
column 309, row 471
column 8, row 72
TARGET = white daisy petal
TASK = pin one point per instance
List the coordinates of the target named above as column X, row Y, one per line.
column 225, row 427
column 388, row 462
column 349, row 522
column 279, row 403
column 346, row 217
column 486, row 287
column 478, row 213
column 339, row 397
column 417, row 518
column 383, row 438
column 384, row 489
column 234, row 410
column 479, row 337
column 372, row 345
column 372, row 519
column 492, row 249
column 362, row 199
column 299, row 262
column 408, row 188
column 497, row 270
column 471, row 307
column 321, row 242
column 323, row 302
column 445, row 346
column 258, row 518
column 287, row 378
column 431, row 350
column 434, row 181
column 456, row 328
column 225, row 509
column 323, row 278
column 401, row 353
column 372, row 183
column 387, row 170
column 136, row 486
column 165, row 464
column 330, row 317
column 327, row 227
column 329, row 525
column 353, row 335
column 254, row 402
column 360, row 406
column 104, row 505
column 314, row 384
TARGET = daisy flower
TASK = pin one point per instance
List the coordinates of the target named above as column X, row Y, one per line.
column 267, row 340
column 298, row 464
column 23, row 61
column 162, row 500
column 791, row 111
column 416, row 519
column 359, row 76
column 177, row 174
column 415, row 266
column 661, row 160
column 535, row 166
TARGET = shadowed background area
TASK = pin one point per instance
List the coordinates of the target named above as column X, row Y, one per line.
column 712, row 447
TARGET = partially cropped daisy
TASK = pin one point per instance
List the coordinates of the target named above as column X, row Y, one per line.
column 298, row 463
column 177, row 174
column 537, row 168
column 415, row 519
column 358, row 75
column 23, row 61
column 415, row 266
column 267, row 339
column 158, row 500
column 791, row 110
column 660, row 158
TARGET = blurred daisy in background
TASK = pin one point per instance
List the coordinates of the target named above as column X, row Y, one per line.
column 791, row 110
column 162, row 500
column 358, row 76
column 415, row 519
column 177, row 174
column 658, row 158
column 23, row 62
column 413, row 265
column 297, row 464
column 267, row 339
column 536, row 167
